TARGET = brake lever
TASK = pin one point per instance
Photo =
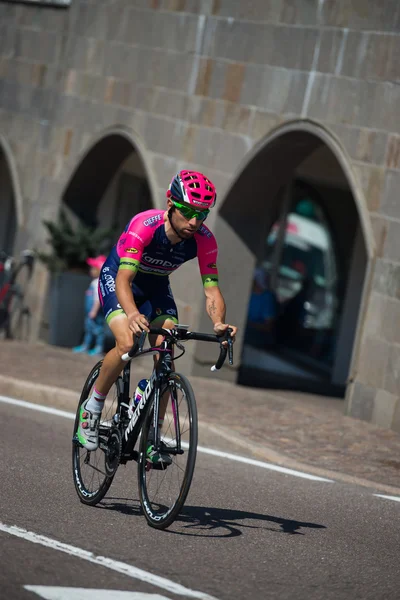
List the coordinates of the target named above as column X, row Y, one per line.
column 230, row 345
column 224, row 349
column 230, row 351
column 137, row 347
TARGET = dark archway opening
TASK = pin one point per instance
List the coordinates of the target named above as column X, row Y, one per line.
column 110, row 185
column 293, row 215
column 8, row 221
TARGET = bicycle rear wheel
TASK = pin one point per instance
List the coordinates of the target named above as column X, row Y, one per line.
column 163, row 492
column 19, row 320
column 91, row 470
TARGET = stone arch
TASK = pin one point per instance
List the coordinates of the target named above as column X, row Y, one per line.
column 252, row 205
column 11, row 203
column 317, row 135
column 99, row 167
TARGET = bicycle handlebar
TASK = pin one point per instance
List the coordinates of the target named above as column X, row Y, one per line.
column 176, row 335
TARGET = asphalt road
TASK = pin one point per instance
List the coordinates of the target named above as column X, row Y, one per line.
column 246, row 532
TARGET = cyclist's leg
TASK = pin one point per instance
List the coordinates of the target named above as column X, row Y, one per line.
column 163, row 314
column 154, row 456
column 118, row 323
column 112, row 363
column 88, row 426
column 166, row 322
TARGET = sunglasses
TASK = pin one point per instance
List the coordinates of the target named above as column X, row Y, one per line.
column 188, row 212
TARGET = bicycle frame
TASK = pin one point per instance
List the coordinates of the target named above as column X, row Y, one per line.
column 131, row 431
column 9, row 288
column 120, row 431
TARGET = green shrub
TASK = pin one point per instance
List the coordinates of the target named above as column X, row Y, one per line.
column 72, row 245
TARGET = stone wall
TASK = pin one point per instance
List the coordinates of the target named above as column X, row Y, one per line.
column 201, row 83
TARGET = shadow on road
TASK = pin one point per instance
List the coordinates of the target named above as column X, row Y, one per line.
column 126, row 506
column 212, row 519
column 222, row 522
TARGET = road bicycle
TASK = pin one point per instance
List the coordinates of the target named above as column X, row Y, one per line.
column 124, row 433
column 14, row 277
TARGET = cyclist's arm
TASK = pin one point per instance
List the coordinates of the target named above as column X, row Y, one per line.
column 130, row 247
column 207, row 252
column 215, row 305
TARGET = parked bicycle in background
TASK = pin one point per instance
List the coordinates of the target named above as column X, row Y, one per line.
column 14, row 312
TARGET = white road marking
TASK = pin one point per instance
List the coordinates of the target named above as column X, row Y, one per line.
column 263, row 465
column 395, row 498
column 212, row 452
column 69, row 593
column 39, row 407
column 109, row 563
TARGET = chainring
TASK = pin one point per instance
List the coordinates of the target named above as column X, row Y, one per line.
column 113, row 452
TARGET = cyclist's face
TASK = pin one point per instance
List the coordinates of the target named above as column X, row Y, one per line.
column 185, row 227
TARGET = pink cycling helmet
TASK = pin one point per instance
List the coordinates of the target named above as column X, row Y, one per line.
column 191, row 187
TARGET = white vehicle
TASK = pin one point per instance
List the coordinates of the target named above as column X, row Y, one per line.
column 307, row 258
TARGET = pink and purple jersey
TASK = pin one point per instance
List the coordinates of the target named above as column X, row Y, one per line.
column 145, row 249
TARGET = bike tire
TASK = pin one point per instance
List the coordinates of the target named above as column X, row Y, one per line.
column 90, row 489
column 19, row 319
column 3, row 323
column 162, row 493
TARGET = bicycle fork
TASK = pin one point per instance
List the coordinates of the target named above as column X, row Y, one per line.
column 176, row 439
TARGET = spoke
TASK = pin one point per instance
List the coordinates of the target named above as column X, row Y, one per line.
column 97, row 469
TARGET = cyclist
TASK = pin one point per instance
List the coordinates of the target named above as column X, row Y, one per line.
column 134, row 286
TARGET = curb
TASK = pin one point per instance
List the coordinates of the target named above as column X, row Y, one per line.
column 270, row 455
column 38, row 393
column 68, row 399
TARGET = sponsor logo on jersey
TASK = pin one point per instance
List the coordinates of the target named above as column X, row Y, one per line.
column 131, row 250
column 158, row 311
column 121, row 241
column 109, row 282
column 211, row 279
column 204, row 231
column 171, row 311
column 212, row 266
column 152, row 221
column 159, row 262
column 136, row 235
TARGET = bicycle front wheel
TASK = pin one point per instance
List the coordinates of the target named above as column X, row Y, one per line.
column 91, row 470
column 163, row 491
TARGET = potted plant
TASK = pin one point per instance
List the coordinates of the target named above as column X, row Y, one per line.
column 70, row 246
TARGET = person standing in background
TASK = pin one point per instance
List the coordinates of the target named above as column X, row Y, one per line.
column 94, row 327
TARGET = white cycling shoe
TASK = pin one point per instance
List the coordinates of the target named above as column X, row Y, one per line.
column 88, row 428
